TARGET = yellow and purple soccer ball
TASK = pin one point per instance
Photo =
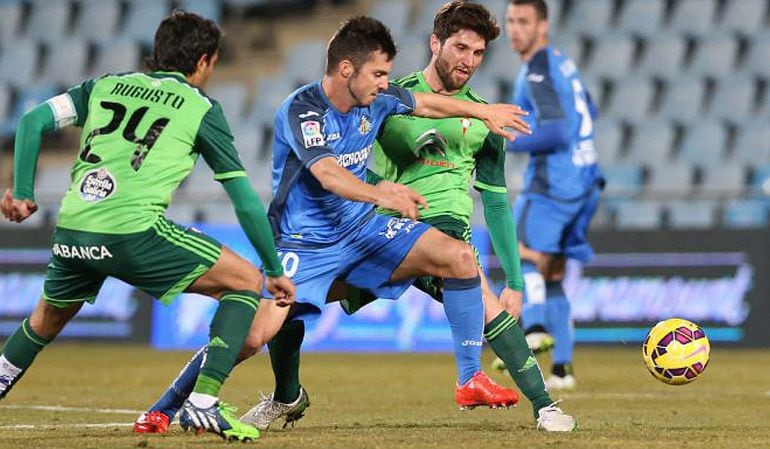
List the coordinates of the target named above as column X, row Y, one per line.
column 676, row 351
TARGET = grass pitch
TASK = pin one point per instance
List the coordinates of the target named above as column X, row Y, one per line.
column 87, row 395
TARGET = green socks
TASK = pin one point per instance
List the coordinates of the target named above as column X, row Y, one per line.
column 507, row 341
column 22, row 347
column 229, row 330
column 284, row 357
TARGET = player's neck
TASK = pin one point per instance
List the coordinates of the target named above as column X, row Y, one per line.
column 434, row 81
column 532, row 51
column 337, row 94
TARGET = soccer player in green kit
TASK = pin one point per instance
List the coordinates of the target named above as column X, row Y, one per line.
column 437, row 159
column 142, row 134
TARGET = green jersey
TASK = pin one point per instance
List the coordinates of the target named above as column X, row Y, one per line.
column 142, row 134
column 437, row 157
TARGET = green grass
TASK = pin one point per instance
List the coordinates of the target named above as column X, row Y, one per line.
column 396, row 401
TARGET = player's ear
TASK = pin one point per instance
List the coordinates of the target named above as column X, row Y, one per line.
column 346, row 68
column 435, row 44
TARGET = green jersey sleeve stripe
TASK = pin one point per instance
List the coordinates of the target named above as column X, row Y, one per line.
column 205, row 253
column 490, row 188
column 230, row 175
column 190, row 239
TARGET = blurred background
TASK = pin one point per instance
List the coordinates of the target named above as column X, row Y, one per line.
column 683, row 138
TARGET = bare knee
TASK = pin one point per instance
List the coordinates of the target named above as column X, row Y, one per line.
column 463, row 262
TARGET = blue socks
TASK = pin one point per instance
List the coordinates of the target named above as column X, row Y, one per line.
column 533, row 312
column 559, row 323
column 465, row 311
column 181, row 387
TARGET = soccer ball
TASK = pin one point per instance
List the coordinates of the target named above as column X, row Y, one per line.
column 676, row 351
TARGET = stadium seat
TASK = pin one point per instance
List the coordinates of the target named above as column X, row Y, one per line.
column 487, row 87
column 704, row 143
column 555, row 15
column 682, row 100
column 727, row 179
column 595, row 88
column 498, row 8
column 589, row 17
column 612, row 56
column 200, row 185
column 306, row 61
column 219, row 213
column 692, row 214
column 183, row 212
column 142, row 19
column 630, row 99
column 637, row 214
column 98, row 20
column 233, row 97
column 745, row 16
column 752, row 143
column 414, row 58
column 395, row 14
column 425, row 13
column 26, row 99
column 19, row 60
column 662, row 56
column 66, row 63
column 571, row 46
column 758, row 55
column 760, row 180
column 210, row 9
column 608, row 135
column 670, row 178
column 642, row 17
column 261, row 177
column 116, row 56
column 48, row 20
column 746, row 213
column 52, row 182
column 270, row 94
column 734, row 99
column 715, row 56
column 694, row 17
column 500, row 62
column 651, row 142
column 515, row 164
column 248, row 141
column 5, row 102
column 11, row 14
column 623, row 179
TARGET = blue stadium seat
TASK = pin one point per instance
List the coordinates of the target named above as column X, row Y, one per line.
column 395, row 14
column 116, row 56
column 682, row 100
column 200, row 185
column 609, row 138
column 306, row 61
column 52, row 182
column 704, row 143
column 210, row 9
column 27, row 99
column 734, row 98
column 233, row 97
column 612, row 57
column 143, row 18
column 487, row 87
column 760, row 180
column 500, row 62
column 249, row 142
column 270, row 94
column 261, row 177
column 637, row 214
column 498, row 8
column 752, row 143
column 623, row 179
column 727, row 179
column 48, row 20
column 663, row 56
column 414, row 57
column 642, row 17
column 746, row 213
column 692, row 214
column 98, row 20
column 758, row 55
column 590, row 17
column 715, row 56
column 631, row 99
column 670, row 178
column 651, row 142
column 425, row 12
column 695, row 17
column 11, row 14
column 745, row 16
column 19, row 60
column 66, row 63
column 5, row 102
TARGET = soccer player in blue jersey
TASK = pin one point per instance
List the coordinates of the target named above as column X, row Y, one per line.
column 323, row 214
column 562, row 182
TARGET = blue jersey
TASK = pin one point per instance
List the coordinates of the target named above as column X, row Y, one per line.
column 309, row 128
column 549, row 88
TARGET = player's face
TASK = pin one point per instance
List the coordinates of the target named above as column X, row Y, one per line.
column 458, row 58
column 370, row 79
column 524, row 27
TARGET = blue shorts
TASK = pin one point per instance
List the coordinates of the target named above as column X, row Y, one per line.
column 364, row 259
column 556, row 227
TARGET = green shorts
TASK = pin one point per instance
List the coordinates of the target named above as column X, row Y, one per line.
column 161, row 261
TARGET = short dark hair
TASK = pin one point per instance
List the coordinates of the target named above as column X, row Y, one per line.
column 458, row 15
column 540, row 6
column 180, row 41
column 355, row 40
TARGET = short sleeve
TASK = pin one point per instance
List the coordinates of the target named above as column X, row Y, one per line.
column 544, row 95
column 399, row 100
column 490, row 165
column 216, row 144
column 71, row 108
column 305, row 126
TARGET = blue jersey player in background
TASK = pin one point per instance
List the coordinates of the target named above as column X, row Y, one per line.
column 562, row 182
column 327, row 232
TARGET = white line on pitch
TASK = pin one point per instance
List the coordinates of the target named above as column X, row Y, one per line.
column 59, row 408
column 56, row 426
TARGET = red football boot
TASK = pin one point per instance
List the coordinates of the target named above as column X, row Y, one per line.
column 152, row 422
column 481, row 390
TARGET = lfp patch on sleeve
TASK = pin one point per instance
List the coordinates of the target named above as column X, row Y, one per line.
column 311, row 133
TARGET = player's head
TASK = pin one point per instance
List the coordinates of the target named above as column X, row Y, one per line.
column 526, row 22
column 361, row 54
column 187, row 43
column 461, row 32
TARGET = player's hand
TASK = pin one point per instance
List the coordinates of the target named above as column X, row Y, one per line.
column 282, row 289
column 16, row 210
column 510, row 299
column 401, row 199
column 500, row 116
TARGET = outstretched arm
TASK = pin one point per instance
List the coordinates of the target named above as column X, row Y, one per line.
column 548, row 136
